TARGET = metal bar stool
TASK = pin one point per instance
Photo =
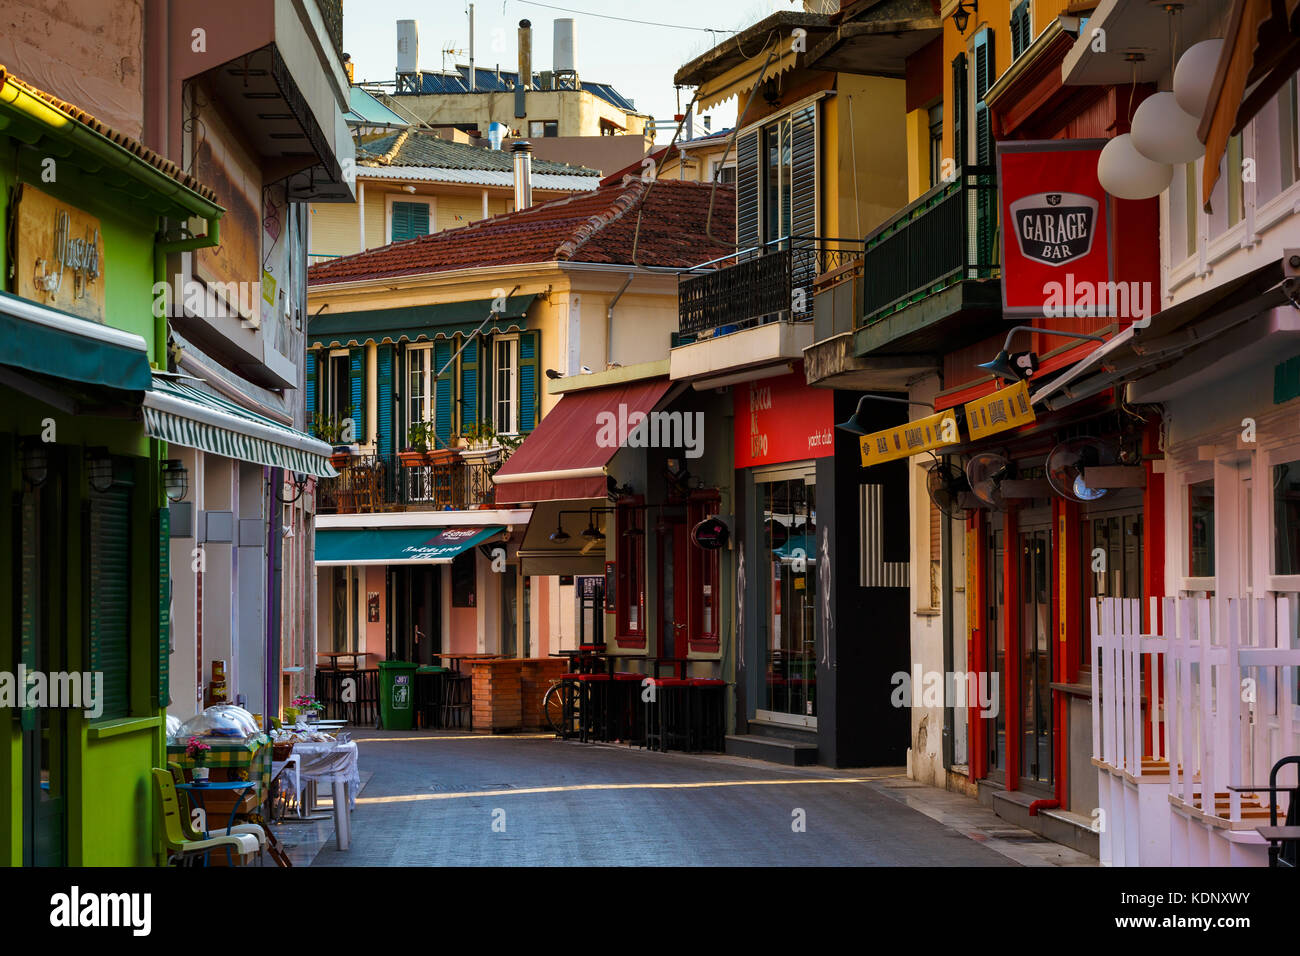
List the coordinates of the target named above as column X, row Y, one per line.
column 666, row 713
column 708, row 714
column 594, row 707
column 627, row 717
column 455, row 699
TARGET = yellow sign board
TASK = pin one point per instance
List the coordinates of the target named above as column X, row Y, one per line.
column 912, row 438
column 60, row 255
column 1003, row 410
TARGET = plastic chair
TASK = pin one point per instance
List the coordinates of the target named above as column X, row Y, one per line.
column 187, row 814
column 243, row 845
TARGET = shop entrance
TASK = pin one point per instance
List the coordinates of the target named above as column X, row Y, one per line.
column 415, row 595
column 995, row 648
column 789, row 515
column 1035, row 677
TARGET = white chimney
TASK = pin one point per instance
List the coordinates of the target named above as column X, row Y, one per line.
column 523, row 156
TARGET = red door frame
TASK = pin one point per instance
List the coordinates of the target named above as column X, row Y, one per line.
column 673, row 527
column 1011, row 643
column 976, row 646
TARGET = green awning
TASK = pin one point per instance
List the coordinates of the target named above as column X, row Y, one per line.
column 335, row 546
column 180, row 414
column 51, row 342
column 416, row 323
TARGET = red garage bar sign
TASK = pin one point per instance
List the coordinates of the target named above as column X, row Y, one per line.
column 1056, row 248
column 783, row 419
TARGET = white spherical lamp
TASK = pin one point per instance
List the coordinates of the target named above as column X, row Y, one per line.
column 1194, row 76
column 1164, row 133
column 1127, row 174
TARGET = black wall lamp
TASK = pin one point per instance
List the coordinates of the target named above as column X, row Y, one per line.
column 961, row 16
column 99, row 469
column 35, row 462
column 591, row 532
column 1020, row 366
column 299, row 485
column 854, row 425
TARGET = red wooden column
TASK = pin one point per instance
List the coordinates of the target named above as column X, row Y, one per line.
column 1011, row 641
column 976, row 648
column 1153, row 571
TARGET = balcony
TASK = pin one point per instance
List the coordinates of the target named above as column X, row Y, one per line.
column 331, row 11
column 458, row 480
column 932, row 271
column 752, row 308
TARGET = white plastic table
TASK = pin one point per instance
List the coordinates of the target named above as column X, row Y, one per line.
column 333, row 763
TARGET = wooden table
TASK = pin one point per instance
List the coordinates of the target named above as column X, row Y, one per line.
column 335, row 655
column 457, row 658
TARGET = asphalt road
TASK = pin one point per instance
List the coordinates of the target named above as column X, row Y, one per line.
column 460, row 800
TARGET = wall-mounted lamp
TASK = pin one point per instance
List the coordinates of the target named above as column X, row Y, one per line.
column 559, row 534
column 176, row 479
column 99, row 469
column 854, row 425
column 299, row 485
column 591, row 532
column 961, row 16
column 1018, row 367
column 35, row 462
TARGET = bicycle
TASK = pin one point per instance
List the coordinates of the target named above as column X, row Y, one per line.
column 559, row 707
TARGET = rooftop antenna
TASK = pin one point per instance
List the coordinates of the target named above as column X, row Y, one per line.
column 473, row 79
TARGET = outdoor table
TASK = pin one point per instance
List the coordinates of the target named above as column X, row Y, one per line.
column 457, row 658
column 226, row 785
column 249, row 754
column 335, row 763
column 334, row 657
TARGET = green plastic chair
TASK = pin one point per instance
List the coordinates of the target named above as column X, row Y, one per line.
column 187, row 813
column 243, row 845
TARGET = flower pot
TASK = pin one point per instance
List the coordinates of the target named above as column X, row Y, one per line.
column 413, row 459
column 200, row 776
column 340, row 459
column 443, row 456
column 291, row 715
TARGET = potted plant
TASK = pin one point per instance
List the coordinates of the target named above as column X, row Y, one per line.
column 197, row 751
column 417, row 445
column 309, row 707
column 330, row 429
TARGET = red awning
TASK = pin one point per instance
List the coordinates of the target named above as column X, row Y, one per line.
column 566, row 455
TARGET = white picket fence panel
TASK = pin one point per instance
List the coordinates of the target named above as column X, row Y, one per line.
column 1222, row 709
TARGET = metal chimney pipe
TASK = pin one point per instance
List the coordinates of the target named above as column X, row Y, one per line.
column 525, row 55
column 473, row 79
column 523, row 157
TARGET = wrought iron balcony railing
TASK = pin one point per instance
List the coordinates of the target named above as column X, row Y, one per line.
column 946, row 236
column 445, row 481
column 768, row 283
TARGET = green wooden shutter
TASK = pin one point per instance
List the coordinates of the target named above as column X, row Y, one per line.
column 163, row 526
column 442, row 392
column 109, row 599
column 31, row 614
column 469, row 384
column 384, row 401
column 357, row 381
column 959, row 109
column 313, row 363
column 410, row 219
column 984, row 72
column 530, row 398
column 747, row 190
column 1020, row 37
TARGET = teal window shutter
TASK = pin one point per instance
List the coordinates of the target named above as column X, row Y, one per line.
column 410, row 219
column 442, row 392
column 959, row 109
column 747, row 191
column 357, row 380
column 108, row 576
column 1020, row 36
column 529, row 381
column 313, row 363
column 469, row 383
column 384, row 401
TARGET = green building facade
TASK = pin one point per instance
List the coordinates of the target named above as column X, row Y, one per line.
column 83, row 517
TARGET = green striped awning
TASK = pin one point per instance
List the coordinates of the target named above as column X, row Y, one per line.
column 181, row 414
column 417, row 323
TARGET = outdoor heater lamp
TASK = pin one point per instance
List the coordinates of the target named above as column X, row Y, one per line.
column 176, row 479
column 1002, row 364
column 854, row 425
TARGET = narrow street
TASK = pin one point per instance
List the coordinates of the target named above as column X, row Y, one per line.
column 432, row 800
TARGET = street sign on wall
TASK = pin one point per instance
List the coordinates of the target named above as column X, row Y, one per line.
column 783, row 419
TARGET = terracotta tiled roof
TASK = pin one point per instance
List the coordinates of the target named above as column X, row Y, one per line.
column 134, row 146
column 597, row 226
column 413, row 148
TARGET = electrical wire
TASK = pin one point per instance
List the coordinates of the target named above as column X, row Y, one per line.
column 610, row 16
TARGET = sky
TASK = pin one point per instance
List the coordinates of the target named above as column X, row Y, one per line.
column 637, row 59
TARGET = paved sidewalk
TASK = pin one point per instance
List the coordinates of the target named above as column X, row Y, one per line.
column 457, row 799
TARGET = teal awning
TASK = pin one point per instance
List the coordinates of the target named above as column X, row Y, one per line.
column 336, row 546
column 416, row 323
column 51, row 342
column 180, row 414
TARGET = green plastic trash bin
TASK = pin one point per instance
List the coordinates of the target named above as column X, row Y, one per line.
column 397, row 695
